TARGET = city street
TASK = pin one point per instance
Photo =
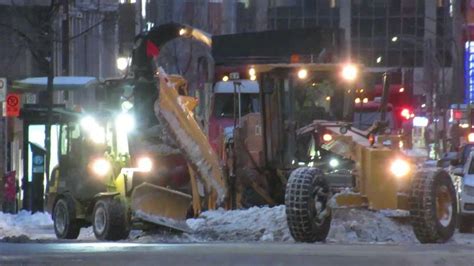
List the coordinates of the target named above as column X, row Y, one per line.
column 237, row 132
column 109, row 253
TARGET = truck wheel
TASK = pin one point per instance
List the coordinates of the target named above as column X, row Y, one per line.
column 465, row 224
column 66, row 226
column 110, row 220
column 433, row 207
column 306, row 199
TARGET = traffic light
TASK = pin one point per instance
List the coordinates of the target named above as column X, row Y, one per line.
column 405, row 113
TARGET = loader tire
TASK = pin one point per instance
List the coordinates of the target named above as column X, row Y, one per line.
column 466, row 223
column 306, row 199
column 66, row 226
column 111, row 220
column 433, row 207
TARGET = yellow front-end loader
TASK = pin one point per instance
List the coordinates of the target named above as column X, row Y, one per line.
column 208, row 188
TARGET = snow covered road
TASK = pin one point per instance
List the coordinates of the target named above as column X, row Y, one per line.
column 349, row 226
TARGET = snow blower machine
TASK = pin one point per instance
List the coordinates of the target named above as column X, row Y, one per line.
column 145, row 163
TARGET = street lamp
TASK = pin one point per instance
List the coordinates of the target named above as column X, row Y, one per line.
column 302, row 73
column 349, row 72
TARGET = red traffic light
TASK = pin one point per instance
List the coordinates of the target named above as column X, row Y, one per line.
column 457, row 115
column 405, row 113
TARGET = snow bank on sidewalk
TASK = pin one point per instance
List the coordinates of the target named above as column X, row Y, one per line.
column 25, row 226
column 37, row 225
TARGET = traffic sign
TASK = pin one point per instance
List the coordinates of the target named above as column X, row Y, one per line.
column 3, row 89
column 13, row 105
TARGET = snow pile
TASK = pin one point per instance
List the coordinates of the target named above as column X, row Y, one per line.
column 269, row 224
column 24, row 226
column 254, row 224
column 37, row 225
column 361, row 225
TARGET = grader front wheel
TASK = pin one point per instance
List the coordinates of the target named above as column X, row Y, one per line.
column 306, row 200
column 433, row 207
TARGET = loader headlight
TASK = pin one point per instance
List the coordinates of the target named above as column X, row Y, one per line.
column 400, row 168
column 125, row 122
column 145, row 164
column 101, row 167
column 95, row 132
column 334, row 163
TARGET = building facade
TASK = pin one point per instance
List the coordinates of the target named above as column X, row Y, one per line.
column 82, row 38
column 417, row 37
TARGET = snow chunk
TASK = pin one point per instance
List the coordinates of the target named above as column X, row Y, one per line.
column 254, row 224
column 365, row 226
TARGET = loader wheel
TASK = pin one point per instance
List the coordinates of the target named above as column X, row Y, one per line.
column 306, row 200
column 111, row 220
column 466, row 223
column 66, row 226
column 433, row 207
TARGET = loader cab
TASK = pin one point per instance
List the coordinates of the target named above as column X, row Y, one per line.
column 89, row 147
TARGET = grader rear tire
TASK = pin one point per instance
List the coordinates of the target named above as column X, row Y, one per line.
column 111, row 220
column 433, row 207
column 307, row 211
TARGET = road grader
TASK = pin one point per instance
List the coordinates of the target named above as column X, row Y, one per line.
column 267, row 158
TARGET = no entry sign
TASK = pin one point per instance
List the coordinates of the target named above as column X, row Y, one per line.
column 12, row 103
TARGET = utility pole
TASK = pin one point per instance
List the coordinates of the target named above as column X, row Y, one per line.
column 49, row 87
column 2, row 157
column 458, row 77
column 65, row 39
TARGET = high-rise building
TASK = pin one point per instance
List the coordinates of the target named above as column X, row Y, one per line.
column 413, row 35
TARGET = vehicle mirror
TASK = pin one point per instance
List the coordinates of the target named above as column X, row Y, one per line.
column 458, row 171
column 343, row 130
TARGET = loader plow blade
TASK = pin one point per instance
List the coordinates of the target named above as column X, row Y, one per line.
column 173, row 110
column 161, row 206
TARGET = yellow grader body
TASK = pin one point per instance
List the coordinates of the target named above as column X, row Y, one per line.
column 375, row 187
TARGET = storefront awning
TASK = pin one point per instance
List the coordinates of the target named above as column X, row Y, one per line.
column 59, row 83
